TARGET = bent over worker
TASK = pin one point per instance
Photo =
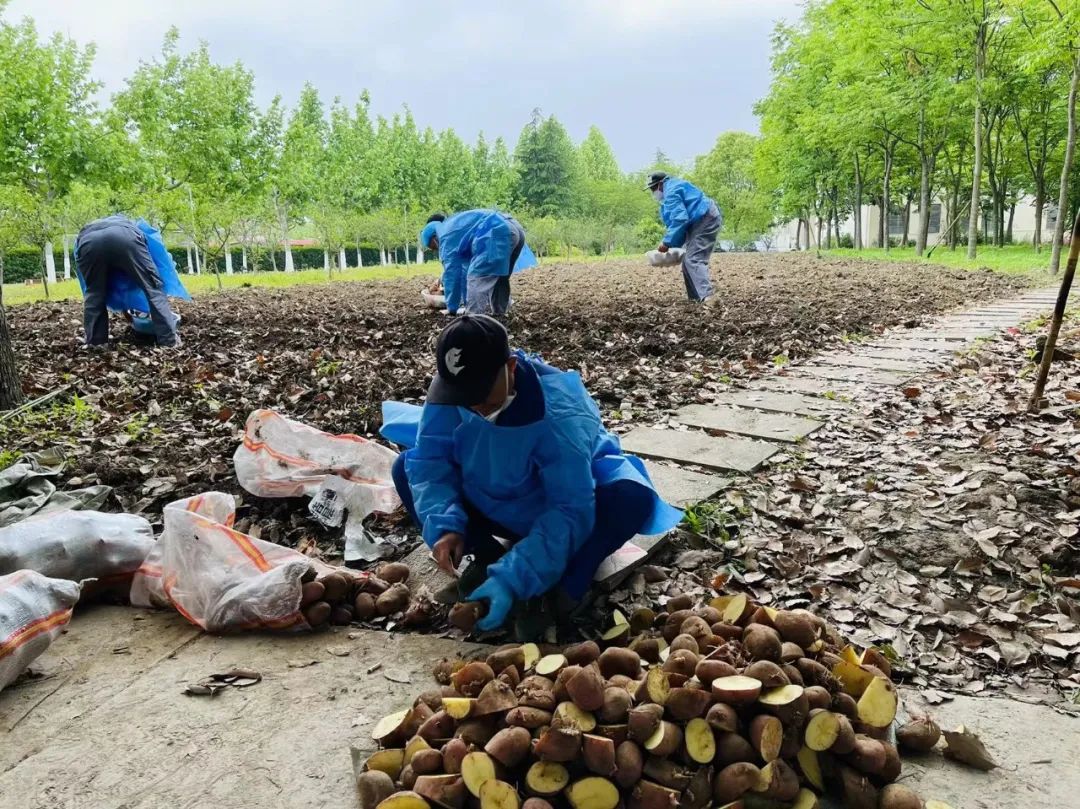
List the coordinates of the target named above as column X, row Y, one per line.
column 693, row 221
column 116, row 249
column 510, row 447
column 479, row 250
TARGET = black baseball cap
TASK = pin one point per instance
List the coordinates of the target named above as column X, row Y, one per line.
column 655, row 179
column 470, row 353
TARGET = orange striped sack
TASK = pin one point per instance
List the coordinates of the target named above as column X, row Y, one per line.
column 34, row 609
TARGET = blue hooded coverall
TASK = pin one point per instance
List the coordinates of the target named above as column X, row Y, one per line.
column 123, row 265
column 479, row 250
column 693, row 220
column 546, row 476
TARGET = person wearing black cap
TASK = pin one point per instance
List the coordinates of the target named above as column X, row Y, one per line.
column 510, row 447
column 693, row 221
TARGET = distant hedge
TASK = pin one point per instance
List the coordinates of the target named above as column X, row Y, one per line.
column 25, row 263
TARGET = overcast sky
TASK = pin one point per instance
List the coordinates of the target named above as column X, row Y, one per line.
column 649, row 74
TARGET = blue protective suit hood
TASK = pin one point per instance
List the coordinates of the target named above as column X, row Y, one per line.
column 430, row 229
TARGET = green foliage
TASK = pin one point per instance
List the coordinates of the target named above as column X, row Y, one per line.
column 547, row 167
column 727, row 175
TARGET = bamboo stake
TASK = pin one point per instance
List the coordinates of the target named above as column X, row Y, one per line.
column 1035, row 403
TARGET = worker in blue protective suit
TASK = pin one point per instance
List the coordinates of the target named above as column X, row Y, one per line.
column 693, row 221
column 512, row 448
column 123, row 265
column 479, row 250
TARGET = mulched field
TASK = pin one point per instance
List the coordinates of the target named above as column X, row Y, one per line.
column 159, row 425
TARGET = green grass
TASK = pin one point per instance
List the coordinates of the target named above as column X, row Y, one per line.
column 15, row 294
column 1014, row 259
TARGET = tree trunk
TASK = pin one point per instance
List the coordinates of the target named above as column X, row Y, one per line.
column 419, row 252
column 828, row 229
column 925, row 205
column 343, row 262
column 198, row 265
column 190, row 266
column 326, row 260
column 1009, row 229
column 798, row 234
column 243, row 258
column 976, row 172
column 11, row 394
column 228, row 261
column 359, row 256
column 1040, row 203
column 907, row 223
column 857, row 210
column 382, row 256
column 50, row 263
column 67, row 259
column 819, row 234
column 1070, row 147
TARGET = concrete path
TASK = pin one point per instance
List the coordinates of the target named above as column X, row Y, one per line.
column 107, row 727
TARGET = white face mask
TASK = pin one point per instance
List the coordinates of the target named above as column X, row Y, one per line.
column 658, row 195
column 493, row 417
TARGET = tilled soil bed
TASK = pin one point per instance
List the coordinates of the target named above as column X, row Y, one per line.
column 159, row 425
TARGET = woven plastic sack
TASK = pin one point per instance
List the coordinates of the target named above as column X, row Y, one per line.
column 34, row 609
column 672, row 257
column 221, row 579
column 77, row 545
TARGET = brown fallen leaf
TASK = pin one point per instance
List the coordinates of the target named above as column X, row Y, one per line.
column 967, row 748
column 912, row 393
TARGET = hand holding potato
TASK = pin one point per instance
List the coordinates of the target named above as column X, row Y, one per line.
column 499, row 599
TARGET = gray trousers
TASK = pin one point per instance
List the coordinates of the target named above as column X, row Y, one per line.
column 490, row 294
column 700, row 242
column 112, row 245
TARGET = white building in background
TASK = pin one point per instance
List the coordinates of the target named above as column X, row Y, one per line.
column 1023, row 229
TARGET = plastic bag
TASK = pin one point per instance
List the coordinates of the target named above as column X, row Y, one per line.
column 433, row 300
column 77, row 545
column 673, row 256
column 34, row 609
column 218, row 578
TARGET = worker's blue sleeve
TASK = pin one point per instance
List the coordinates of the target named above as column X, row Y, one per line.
column 434, row 475
column 536, row 563
column 674, row 214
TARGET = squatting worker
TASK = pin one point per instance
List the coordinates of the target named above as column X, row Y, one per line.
column 693, row 221
column 117, row 245
column 510, row 447
column 478, row 250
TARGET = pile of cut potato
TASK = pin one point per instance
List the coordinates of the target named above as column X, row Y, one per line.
column 727, row 705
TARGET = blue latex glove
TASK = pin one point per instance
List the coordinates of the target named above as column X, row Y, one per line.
column 499, row 600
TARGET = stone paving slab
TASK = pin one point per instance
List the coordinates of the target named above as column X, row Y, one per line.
column 945, row 347
column 752, row 423
column 794, row 403
column 924, row 359
column 856, row 375
column 701, row 449
column 863, row 360
column 826, row 388
column 955, row 336
column 684, row 487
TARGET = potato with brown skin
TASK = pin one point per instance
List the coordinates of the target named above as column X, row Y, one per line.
column 708, row 670
column 510, row 676
column 891, row 771
column 683, row 642
column 814, row 673
column 845, row 704
column 393, row 572
column 727, row 631
column 617, row 733
column 818, row 697
column 373, row 787
column 643, row 721
column 736, row 690
column 364, row 608
column 586, row 688
column 629, row 763
column 465, row 614
column 317, row 614
column 684, row 704
column 439, row 725
column 311, row 592
column 682, row 662
column 868, row 755
column 709, row 615
column 734, row 781
column 698, row 793
column 598, row 754
column 433, row 699
column 722, row 718
column 648, row 649
column 495, row 697
column 876, row 658
column 335, row 588
column 529, row 718
column 408, row 777
column 509, row 746
column 628, row 684
column 673, row 624
column 780, row 781
column 768, row 673
column 788, row 702
column 559, row 689
column 667, row 773
column 647, row 795
column 856, row 788
column 666, row 740
column 511, row 655
column 558, row 744
column 617, row 703
column 393, row 601
column 470, row 679
column 793, row 674
column 897, row 796
column 619, row 661
column 766, row 736
column 582, row 654
column 732, row 748
column 452, row 754
column 795, row 627
column 696, row 628
column 447, row 791
column 762, row 643
column 791, row 652
column 680, row 602
column 919, row 735
column 476, row 732
column 427, row 762
column 374, row 585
